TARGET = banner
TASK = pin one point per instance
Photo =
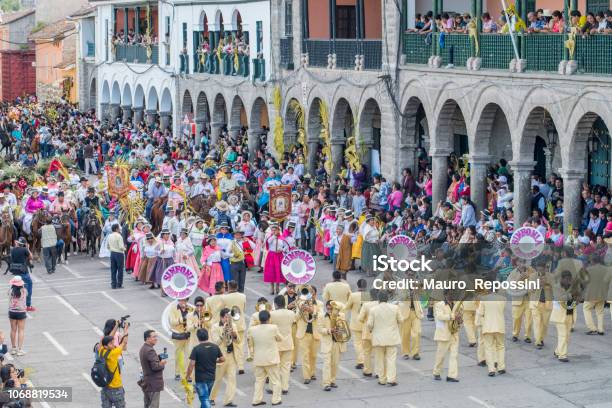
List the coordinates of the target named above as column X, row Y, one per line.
column 280, row 202
column 118, row 180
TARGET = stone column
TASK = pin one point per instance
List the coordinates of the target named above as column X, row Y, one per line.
column 103, row 114
column 115, row 111
column 313, row 147
column 572, row 199
column 253, row 140
column 407, row 157
column 337, row 158
column 215, row 131
column 549, row 156
column 290, row 139
column 127, row 113
column 234, row 131
column 150, row 116
column 522, row 190
column 367, row 155
column 164, row 120
column 478, row 180
column 439, row 166
column 138, row 114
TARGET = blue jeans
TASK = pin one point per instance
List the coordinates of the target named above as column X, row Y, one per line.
column 203, row 389
column 27, row 280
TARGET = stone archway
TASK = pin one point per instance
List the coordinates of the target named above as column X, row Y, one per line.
column 539, row 123
column 93, row 93
column 219, row 117
column 414, row 134
column 187, row 106
column 369, row 144
column 202, row 115
column 491, row 143
column 165, row 110
column 295, row 132
column 259, row 126
column 449, row 139
column 238, row 117
column 313, row 132
column 342, row 129
column 115, row 101
column 105, row 101
column 126, row 103
column 152, row 106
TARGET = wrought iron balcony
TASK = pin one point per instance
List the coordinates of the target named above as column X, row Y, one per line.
column 232, row 65
column 138, row 54
column 344, row 53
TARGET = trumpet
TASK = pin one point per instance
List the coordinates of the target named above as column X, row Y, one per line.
column 340, row 330
column 204, row 319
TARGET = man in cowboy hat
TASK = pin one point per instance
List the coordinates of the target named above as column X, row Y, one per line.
column 227, row 183
column 225, row 242
column 220, row 212
column 156, row 190
column 171, row 222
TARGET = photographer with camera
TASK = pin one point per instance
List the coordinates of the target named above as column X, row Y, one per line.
column 12, row 379
column 20, row 264
column 106, row 372
column 152, row 382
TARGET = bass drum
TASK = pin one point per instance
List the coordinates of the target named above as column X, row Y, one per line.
column 165, row 317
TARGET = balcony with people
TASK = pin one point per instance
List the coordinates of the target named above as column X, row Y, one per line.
column 135, row 38
column 339, row 34
column 224, row 49
column 520, row 38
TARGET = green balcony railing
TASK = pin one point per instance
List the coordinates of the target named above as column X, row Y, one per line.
column 136, row 54
column 594, row 54
column 496, row 51
column 416, row 48
column 454, row 49
column 542, row 51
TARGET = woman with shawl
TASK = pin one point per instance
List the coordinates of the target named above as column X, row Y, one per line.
column 185, row 251
column 211, row 272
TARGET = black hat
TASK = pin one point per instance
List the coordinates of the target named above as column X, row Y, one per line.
column 149, row 235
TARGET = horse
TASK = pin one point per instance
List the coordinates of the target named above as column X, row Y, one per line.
column 35, row 147
column 64, row 232
column 93, row 231
column 157, row 214
column 201, row 205
column 38, row 220
column 6, row 140
column 6, row 237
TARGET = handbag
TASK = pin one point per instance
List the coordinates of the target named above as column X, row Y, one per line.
column 180, row 336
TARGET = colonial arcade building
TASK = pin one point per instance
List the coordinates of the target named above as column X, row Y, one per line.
column 349, row 74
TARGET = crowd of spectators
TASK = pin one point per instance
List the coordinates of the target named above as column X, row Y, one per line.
column 540, row 21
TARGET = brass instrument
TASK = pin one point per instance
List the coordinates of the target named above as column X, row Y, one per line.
column 261, row 306
column 228, row 333
column 575, row 291
column 340, row 330
column 455, row 324
column 235, row 313
column 304, row 302
column 204, row 319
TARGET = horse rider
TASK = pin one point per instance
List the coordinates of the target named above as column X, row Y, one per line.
column 156, row 190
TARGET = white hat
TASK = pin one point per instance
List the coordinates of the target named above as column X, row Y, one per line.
column 503, row 179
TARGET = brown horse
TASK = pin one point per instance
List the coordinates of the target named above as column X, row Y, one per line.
column 157, row 214
column 201, row 205
column 64, row 232
column 6, row 235
column 38, row 220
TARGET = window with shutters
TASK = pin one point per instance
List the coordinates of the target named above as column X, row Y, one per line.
column 595, row 6
column 259, row 28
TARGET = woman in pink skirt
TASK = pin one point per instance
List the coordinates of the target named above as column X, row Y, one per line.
column 211, row 272
column 276, row 247
column 134, row 251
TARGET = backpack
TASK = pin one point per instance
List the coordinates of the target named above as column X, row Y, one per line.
column 100, row 374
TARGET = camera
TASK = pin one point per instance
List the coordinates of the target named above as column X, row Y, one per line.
column 164, row 355
column 123, row 321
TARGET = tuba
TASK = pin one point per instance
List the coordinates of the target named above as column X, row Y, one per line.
column 341, row 332
column 228, row 335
